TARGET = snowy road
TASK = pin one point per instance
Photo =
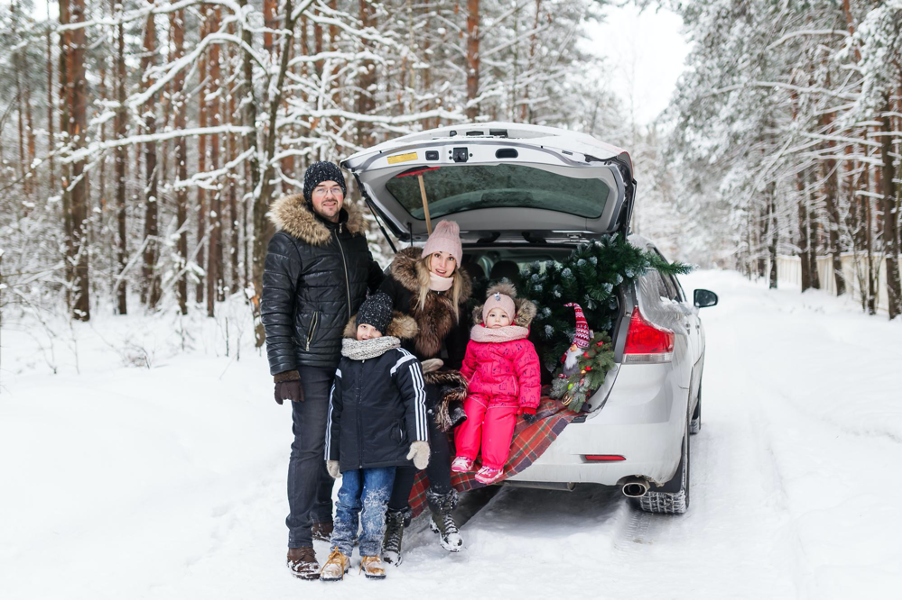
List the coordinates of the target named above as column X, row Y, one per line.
column 169, row 482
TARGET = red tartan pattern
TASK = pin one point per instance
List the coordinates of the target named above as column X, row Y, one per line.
column 530, row 442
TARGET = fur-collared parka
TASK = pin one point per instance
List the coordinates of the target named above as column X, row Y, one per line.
column 377, row 404
column 438, row 328
column 315, row 277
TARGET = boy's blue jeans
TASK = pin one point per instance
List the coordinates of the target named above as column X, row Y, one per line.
column 367, row 490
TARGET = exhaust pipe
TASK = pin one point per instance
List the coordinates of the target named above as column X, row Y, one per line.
column 634, row 487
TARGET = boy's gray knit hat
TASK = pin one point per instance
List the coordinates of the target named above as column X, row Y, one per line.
column 376, row 311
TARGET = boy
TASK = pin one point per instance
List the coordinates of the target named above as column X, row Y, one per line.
column 377, row 421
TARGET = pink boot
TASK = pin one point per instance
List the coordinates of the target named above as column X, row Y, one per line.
column 461, row 464
column 488, row 475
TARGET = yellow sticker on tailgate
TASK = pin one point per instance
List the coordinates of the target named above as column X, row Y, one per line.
column 399, row 158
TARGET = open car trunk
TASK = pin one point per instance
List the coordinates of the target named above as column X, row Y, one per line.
column 500, row 181
column 520, row 194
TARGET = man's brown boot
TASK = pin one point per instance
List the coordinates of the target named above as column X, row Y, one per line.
column 322, row 531
column 302, row 562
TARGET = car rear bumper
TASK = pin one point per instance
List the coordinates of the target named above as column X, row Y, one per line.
column 643, row 421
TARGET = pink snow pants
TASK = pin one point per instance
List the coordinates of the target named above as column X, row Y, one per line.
column 488, row 424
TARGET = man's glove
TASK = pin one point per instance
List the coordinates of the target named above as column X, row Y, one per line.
column 288, row 387
column 332, row 467
column 419, row 453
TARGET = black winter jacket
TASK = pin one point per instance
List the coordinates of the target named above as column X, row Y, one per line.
column 377, row 408
column 315, row 277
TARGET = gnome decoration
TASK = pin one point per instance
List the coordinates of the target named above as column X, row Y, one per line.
column 580, row 341
column 583, row 366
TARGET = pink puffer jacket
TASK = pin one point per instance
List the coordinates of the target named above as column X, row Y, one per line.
column 503, row 364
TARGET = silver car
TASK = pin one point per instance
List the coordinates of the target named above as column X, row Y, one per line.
column 523, row 193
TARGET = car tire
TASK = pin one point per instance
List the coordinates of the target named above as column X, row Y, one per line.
column 695, row 423
column 673, row 497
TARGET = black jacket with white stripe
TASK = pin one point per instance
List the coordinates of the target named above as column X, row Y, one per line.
column 377, row 407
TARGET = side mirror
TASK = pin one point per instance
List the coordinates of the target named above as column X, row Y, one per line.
column 703, row 298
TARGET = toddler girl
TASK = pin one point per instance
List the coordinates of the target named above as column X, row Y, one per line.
column 502, row 370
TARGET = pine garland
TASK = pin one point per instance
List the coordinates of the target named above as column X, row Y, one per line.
column 590, row 276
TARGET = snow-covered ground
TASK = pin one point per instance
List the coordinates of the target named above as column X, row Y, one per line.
column 127, row 482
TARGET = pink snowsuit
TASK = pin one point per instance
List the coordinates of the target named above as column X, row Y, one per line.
column 502, row 370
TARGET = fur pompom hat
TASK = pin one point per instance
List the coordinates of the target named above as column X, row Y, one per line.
column 319, row 172
column 445, row 237
column 522, row 313
column 502, row 301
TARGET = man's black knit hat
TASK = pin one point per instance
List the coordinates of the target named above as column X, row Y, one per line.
column 376, row 311
column 319, row 172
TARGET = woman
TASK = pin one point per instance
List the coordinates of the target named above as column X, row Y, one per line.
column 429, row 285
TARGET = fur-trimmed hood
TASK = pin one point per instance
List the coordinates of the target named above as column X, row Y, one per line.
column 293, row 215
column 526, row 310
column 402, row 327
column 407, row 270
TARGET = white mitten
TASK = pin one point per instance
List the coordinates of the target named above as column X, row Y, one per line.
column 432, row 364
column 332, row 467
column 419, row 453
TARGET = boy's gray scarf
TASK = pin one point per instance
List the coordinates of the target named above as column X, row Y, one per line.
column 364, row 349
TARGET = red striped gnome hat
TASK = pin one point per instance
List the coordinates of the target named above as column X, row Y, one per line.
column 581, row 337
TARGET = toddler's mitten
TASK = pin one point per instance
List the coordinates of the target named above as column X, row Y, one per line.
column 419, row 453
column 529, row 415
column 332, row 467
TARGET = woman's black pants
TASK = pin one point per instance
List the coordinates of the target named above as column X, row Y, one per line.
column 439, row 469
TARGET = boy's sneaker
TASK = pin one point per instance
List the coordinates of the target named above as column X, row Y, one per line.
column 335, row 566
column 461, row 465
column 372, row 567
column 488, row 475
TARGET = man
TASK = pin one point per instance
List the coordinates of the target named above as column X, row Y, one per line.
column 316, row 275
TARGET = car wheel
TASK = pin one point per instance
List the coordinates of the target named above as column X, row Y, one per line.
column 673, row 497
column 695, row 423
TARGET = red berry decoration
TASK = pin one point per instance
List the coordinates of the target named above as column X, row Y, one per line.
column 586, row 354
column 588, row 368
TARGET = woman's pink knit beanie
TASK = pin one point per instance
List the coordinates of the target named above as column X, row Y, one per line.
column 445, row 237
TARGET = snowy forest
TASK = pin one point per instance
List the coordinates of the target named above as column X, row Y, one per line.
column 142, row 142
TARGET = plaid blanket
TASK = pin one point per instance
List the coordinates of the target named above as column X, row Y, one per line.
column 529, row 443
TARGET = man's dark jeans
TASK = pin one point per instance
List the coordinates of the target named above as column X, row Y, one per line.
column 309, row 483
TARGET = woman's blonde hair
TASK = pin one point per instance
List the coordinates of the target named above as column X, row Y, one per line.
column 424, row 280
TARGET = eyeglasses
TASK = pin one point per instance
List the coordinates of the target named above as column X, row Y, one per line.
column 321, row 191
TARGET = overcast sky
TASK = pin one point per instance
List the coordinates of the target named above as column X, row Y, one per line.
column 645, row 54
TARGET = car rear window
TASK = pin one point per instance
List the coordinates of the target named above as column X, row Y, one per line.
column 458, row 188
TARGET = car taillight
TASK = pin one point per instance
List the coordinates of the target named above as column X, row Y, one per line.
column 647, row 343
column 604, row 458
